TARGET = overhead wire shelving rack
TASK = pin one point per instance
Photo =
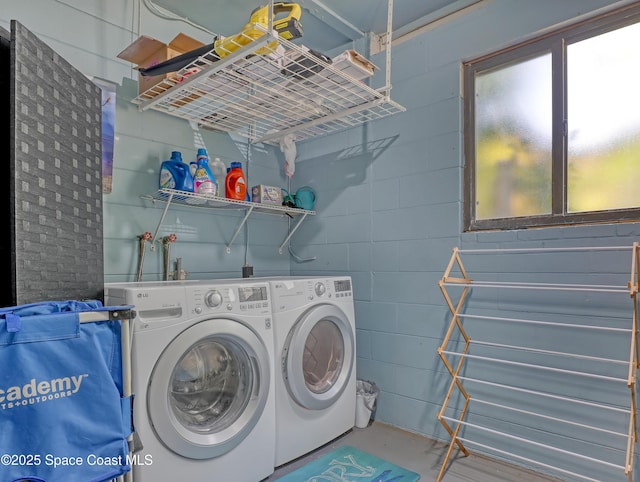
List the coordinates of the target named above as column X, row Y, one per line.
column 263, row 87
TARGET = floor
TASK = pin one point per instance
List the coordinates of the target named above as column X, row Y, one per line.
column 419, row 454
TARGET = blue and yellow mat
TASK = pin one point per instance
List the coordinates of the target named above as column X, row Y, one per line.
column 347, row 464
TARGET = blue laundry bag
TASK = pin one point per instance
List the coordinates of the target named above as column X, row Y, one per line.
column 63, row 414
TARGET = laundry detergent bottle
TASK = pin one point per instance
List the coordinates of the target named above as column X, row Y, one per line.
column 174, row 174
column 204, row 181
column 236, row 184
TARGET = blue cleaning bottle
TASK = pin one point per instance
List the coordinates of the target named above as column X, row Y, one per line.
column 204, row 181
column 174, row 174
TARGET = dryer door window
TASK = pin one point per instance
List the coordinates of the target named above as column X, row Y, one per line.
column 209, row 388
column 318, row 357
column 323, row 357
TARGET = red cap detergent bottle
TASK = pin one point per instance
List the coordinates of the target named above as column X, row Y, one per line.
column 236, row 184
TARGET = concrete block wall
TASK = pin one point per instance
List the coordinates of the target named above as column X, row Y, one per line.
column 390, row 212
column 389, row 194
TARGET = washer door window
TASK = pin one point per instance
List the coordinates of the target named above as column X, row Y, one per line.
column 209, row 388
column 318, row 357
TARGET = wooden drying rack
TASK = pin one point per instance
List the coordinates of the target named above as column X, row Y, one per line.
column 453, row 426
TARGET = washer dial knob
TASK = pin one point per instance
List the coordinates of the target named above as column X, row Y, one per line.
column 213, row 299
column 320, row 288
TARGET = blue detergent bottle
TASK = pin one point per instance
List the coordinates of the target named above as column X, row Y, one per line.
column 204, row 182
column 174, row 174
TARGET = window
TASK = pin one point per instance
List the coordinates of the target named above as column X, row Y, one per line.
column 552, row 128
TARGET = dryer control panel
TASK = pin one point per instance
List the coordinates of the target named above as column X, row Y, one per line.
column 241, row 298
column 293, row 293
column 332, row 288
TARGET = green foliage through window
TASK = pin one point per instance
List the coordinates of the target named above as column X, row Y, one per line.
column 553, row 128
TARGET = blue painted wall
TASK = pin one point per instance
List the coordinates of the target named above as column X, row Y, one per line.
column 389, row 211
column 144, row 141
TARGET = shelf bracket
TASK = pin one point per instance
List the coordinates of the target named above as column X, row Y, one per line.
column 295, row 228
column 192, row 200
column 161, row 222
column 242, row 223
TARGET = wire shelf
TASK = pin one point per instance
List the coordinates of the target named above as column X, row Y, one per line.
column 194, row 200
column 265, row 87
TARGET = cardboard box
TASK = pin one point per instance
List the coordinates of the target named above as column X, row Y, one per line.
column 147, row 51
column 266, row 195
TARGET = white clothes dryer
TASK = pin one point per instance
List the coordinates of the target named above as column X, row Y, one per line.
column 314, row 330
column 202, row 377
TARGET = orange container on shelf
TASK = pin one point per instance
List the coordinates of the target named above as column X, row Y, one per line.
column 236, row 184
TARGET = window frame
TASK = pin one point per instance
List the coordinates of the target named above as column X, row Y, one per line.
column 555, row 43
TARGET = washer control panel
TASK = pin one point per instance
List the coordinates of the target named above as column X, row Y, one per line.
column 241, row 298
column 213, row 299
column 320, row 288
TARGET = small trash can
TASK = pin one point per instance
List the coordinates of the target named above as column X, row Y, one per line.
column 366, row 395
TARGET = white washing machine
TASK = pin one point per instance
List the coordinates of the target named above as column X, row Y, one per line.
column 203, row 379
column 314, row 329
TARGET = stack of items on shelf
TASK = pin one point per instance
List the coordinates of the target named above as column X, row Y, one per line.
column 157, row 61
column 203, row 177
column 225, row 96
column 211, row 178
